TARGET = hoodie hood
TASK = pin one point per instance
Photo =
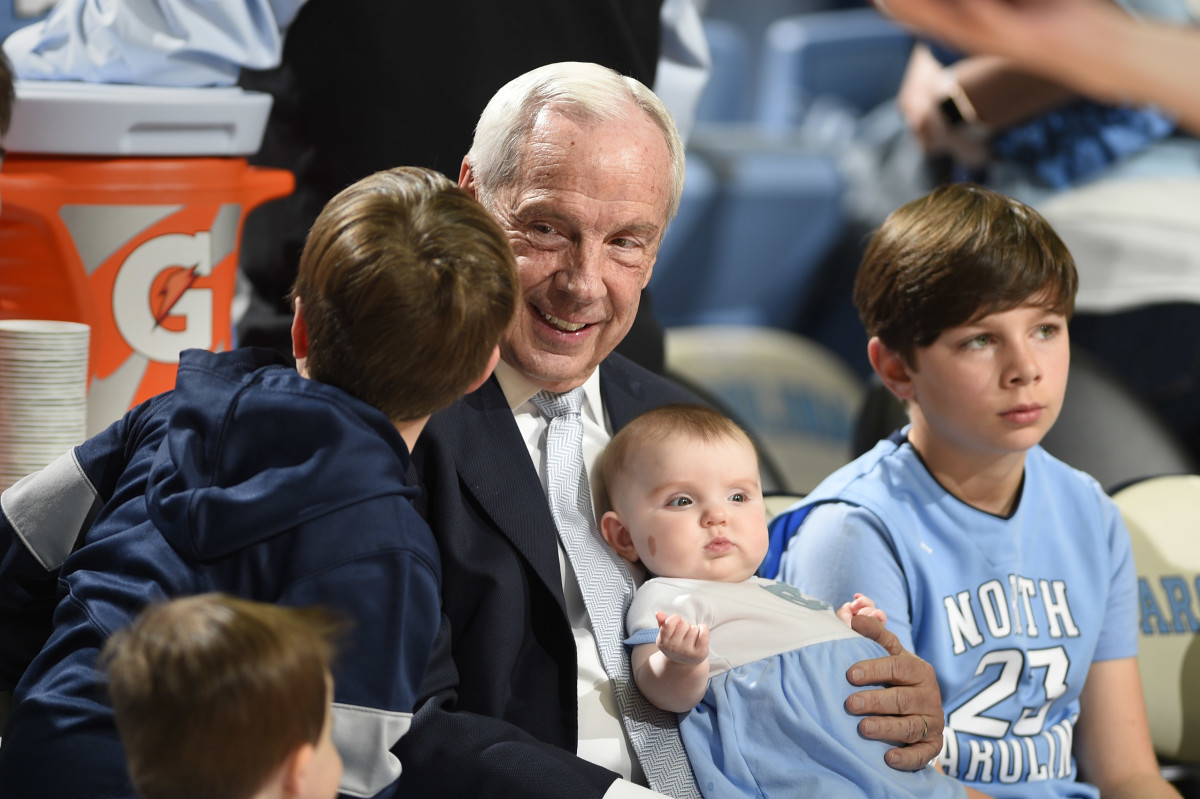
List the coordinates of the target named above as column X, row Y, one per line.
column 253, row 449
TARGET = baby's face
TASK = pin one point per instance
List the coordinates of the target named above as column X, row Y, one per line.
column 695, row 509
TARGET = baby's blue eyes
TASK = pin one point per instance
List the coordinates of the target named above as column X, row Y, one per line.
column 683, row 502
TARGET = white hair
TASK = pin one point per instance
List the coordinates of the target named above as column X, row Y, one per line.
column 580, row 91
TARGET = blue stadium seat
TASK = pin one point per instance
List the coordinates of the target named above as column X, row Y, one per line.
column 676, row 267
column 756, row 248
column 19, row 13
column 855, row 56
column 728, row 96
column 797, row 400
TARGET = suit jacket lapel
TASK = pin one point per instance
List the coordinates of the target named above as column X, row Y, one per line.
column 624, row 395
column 497, row 472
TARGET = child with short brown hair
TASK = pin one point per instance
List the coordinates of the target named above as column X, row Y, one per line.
column 1006, row 569
column 222, row 698
column 272, row 483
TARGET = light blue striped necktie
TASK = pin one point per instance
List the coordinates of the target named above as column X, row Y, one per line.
column 607, row 587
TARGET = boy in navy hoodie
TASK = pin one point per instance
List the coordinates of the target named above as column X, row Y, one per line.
column 265, row 482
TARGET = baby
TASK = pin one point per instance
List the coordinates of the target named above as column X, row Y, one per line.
column 758, row 667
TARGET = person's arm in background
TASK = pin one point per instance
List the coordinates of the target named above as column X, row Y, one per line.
column 1089, row 45
column 989, row 94
column 152, row 42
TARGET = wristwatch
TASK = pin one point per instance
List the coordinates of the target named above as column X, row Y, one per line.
column 956, row 107
column 951, row 112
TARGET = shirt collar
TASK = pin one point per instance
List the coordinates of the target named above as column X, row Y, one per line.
column 518, row 390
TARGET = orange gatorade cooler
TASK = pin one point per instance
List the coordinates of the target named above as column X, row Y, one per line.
column 122, row 207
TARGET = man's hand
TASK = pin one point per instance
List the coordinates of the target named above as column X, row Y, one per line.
column 907, row 710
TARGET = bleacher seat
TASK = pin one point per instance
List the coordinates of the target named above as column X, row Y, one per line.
column 796, row 399
column 776, row 213
column 675, row 271
column 19, row 13
column 854, row 55
column 728, row 95
column 1163, row 517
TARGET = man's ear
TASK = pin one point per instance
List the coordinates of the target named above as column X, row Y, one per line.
column 466, row 178
column 296, row 772
column 617, row 535
column 487, row 370
column 891, row 367
column 299, row 333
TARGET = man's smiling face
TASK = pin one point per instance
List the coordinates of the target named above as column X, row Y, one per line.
column 585, row 216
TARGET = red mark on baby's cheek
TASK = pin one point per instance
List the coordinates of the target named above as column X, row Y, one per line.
column 652, row 545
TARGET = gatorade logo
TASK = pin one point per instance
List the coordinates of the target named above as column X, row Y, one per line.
column 157, row 305
column 163, row 277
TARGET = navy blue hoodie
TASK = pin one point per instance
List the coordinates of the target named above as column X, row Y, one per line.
column 247, row 479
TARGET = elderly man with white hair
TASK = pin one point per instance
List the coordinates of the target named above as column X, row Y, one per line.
column 528, row 693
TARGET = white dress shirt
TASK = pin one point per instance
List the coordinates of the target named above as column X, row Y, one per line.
column 602, row 737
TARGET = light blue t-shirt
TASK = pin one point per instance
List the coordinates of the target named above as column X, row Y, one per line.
column 1010, row 612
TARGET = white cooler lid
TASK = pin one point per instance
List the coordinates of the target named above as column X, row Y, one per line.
column 76, row 118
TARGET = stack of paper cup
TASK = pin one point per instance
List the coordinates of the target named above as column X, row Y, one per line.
column 43, row 393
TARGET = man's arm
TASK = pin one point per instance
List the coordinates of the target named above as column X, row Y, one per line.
column 908, row 709
column 453, row 753
column 1093, row 46
column 684, row 62
column 843, row 549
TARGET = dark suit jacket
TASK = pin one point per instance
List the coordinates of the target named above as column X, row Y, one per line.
column 500, row 715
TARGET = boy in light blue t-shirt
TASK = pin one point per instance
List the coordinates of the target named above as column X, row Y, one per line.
column 1006, row 569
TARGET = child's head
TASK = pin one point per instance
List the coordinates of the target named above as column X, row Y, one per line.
column 405, row 286
column 219, row 698
column 682, row 494
column 966, row 295
column 953, row 256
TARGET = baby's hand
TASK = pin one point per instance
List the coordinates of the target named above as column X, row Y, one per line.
column 862, row 605
column 680, row 641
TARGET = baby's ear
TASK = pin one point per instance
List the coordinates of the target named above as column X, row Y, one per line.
column 617, row 535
